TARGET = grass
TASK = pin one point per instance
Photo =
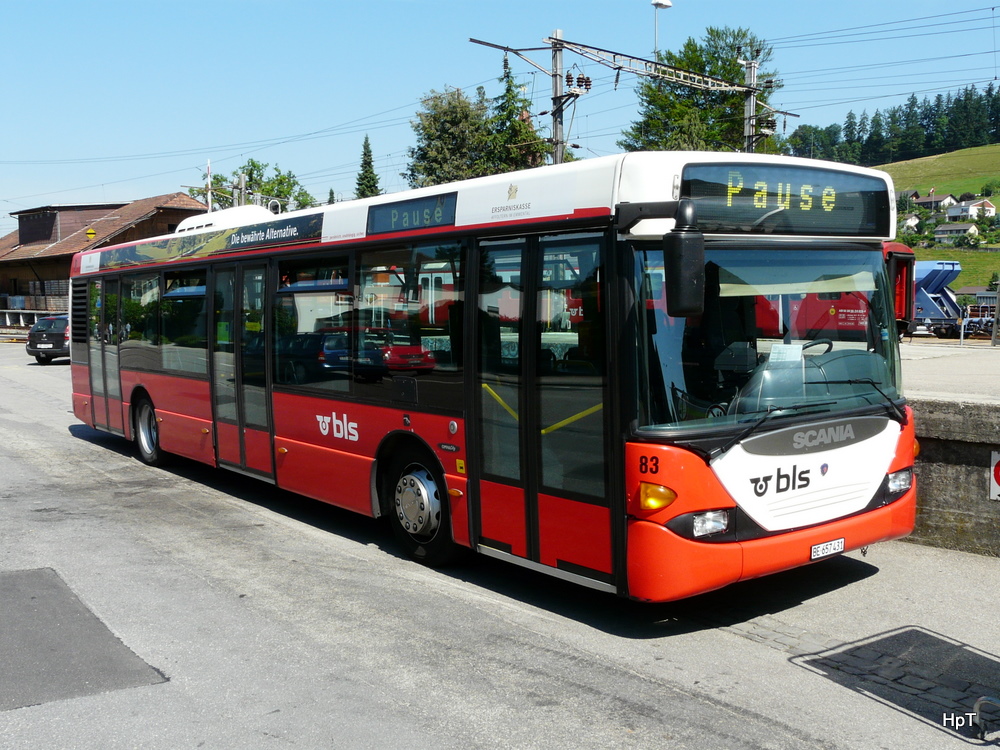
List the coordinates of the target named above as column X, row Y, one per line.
column 958, row 172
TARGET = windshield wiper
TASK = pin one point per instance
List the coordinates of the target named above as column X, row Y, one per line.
column 771, row 411
column 892, row 408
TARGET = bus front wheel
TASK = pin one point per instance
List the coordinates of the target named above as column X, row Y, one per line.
column 147, row 433
column 418, row 510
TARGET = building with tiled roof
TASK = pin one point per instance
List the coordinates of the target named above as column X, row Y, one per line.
column 35, row 258
column 936, row 202
column 950, row 231
column 972, row 210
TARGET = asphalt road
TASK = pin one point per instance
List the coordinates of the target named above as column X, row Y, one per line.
column 951, row 369
column 189, row 607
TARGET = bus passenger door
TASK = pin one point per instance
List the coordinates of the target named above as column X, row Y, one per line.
column 239, row 371
column 540, row 418
column 95, row 349
column 103, row 337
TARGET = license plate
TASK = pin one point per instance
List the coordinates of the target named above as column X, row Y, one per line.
column 45, row 346
column 826, row 549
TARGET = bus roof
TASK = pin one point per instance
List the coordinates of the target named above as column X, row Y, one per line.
column 586, row 189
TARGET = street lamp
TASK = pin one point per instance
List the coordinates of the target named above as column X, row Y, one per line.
column 657, row 5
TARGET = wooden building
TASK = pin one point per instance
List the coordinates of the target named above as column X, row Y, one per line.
column 35, row 258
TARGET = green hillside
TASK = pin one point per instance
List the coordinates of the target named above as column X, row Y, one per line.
column 958, row 172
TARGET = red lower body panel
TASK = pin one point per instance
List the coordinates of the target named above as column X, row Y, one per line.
column 502, row 516
column 186, row 436
column 335, row 477
column 574, row 532
column 663, row 566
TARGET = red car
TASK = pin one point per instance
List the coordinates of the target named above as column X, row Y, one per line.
column 398, row 351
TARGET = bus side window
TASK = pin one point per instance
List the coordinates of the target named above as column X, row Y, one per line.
column 140, row 294
column 312, row 312
column 184, row 321
column 410, row 305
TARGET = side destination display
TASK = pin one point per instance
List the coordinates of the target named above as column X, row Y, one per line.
column 419, row 213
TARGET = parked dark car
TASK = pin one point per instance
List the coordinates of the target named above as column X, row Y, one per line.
column 322, row 355
column 49, row 338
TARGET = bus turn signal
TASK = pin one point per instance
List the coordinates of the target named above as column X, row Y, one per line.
column 655, row 496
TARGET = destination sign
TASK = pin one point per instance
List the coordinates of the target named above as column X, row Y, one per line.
column 786, row 200
column 418, row 213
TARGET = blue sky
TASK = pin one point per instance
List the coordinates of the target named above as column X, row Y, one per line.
column 109, row 101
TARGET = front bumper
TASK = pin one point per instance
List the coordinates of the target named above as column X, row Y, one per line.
column 663, row 566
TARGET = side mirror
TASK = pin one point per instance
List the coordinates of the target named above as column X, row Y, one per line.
column 900, row 262
column 684, row 265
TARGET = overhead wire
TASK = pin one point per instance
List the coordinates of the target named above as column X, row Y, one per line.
column 382, row 120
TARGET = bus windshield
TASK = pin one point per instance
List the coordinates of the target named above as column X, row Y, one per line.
column 804, row 330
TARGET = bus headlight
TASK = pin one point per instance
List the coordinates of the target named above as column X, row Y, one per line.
column 900, row 481
column 711, row 522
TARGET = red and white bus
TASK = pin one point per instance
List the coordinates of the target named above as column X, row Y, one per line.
column 654, row 374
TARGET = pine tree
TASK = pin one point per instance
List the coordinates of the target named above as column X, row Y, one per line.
column 863, row 125
column 512, row 142
column 851, row 127
column 367, row 182
column 992, row 95
column 911, row 145
column 979, row 117
column 937, row 142
column 849, row 151
column 874, row 149
column 893, row 131
column 673, row 115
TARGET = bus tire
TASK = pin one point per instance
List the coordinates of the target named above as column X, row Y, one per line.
column 418, row 509
column 147, row 433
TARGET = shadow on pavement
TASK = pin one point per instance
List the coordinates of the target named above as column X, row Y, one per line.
column 733, row 604
column 924, row 674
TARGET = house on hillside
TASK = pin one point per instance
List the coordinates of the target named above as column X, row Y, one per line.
column 35, row 258
column 949, row 232
column 936, row 202
column 972, row 210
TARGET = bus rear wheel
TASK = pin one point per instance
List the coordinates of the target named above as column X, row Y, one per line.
column 147, row 433
column 418, row 510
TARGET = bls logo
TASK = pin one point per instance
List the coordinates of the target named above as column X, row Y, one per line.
column 340, row 426
column 796, row 479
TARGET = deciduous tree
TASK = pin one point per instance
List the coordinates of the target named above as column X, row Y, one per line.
column 283, row 187
column 452, row 134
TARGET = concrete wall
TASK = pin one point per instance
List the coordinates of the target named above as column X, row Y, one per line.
column 954, row 510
